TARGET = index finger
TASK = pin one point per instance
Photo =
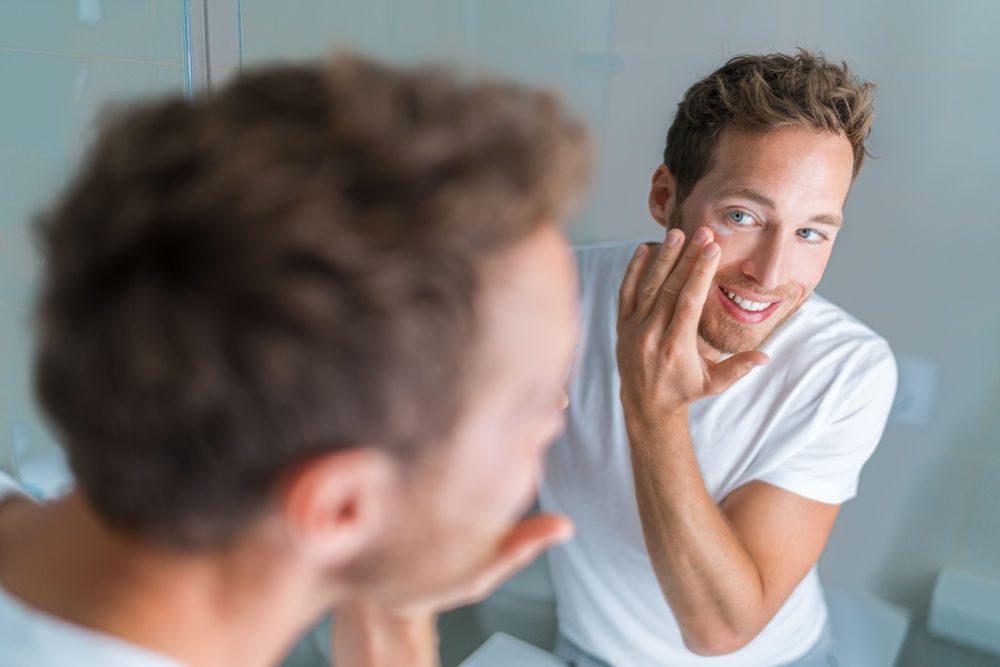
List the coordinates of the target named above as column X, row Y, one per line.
column 691, row 300
column 669, row 292
column 660, row 267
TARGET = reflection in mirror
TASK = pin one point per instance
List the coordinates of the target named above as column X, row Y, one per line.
column 839, row 500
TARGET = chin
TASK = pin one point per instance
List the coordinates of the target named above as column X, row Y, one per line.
column 732, row 338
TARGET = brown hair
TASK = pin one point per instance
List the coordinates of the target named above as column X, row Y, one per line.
column 761, row 93
column 237, row 283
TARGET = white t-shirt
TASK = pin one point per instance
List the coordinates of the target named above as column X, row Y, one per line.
column 31, row 638
column 807, row 422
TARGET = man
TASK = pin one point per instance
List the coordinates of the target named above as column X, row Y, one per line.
column 704, row 493
column 304, row 342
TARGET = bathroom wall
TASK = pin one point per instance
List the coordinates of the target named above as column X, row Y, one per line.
column 61, row 63
column 916, row 259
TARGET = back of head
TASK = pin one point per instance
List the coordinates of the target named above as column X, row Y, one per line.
column 761, row 93
column 237, row 283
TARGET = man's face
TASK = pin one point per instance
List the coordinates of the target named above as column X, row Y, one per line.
column 774, row 201
column 486, row 476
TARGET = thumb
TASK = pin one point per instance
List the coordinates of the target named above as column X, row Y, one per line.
column 534, row 534
column 726, row 373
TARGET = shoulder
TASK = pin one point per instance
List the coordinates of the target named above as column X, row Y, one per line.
column 597, row 258
column 825, row 350
column 602, row 265
column 823, row 332
column 832, row 383
column 10, row 493
column 10, row 489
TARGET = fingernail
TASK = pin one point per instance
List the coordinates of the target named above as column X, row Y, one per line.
column 640, row 250
column 701, row 235
column 673, row 238
column 711, row 250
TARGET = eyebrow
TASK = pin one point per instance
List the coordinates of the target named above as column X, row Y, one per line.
column 754, row 196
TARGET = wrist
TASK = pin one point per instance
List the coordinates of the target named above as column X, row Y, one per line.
column 641, row 415
column 657, row 427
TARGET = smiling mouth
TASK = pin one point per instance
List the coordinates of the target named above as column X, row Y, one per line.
column 747, row 310
column 747, row 304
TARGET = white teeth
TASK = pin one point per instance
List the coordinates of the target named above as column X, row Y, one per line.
column 747, row 304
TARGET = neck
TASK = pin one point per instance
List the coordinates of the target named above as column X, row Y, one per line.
column 240, row 605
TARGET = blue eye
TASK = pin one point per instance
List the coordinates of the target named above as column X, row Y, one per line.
column 740, row 218
column 810, row 235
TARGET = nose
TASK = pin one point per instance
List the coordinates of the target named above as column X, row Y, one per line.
column 768, row 263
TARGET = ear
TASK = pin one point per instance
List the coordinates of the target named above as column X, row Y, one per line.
column 337, row 504
column 662, row 195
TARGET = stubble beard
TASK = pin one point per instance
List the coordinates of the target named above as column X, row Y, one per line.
column 728, row 336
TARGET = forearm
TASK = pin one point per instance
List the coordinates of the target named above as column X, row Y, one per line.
column 366, row 635
column 707, row 576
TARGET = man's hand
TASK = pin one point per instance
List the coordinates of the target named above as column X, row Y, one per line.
column 662, row 370
column 370, row 634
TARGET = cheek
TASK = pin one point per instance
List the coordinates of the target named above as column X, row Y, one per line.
column 722, row 231
column 808, row 267
column 512, row 476
column 735, row 248
column 494, row 473
column 493, row 480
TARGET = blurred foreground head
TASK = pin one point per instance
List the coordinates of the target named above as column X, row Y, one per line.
column 334, row 287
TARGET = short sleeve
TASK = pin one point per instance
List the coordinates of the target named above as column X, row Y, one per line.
column 827, row 467
column 9, row 488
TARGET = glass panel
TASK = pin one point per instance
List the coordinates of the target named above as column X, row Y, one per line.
column 562, row 43
column 61, row 62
